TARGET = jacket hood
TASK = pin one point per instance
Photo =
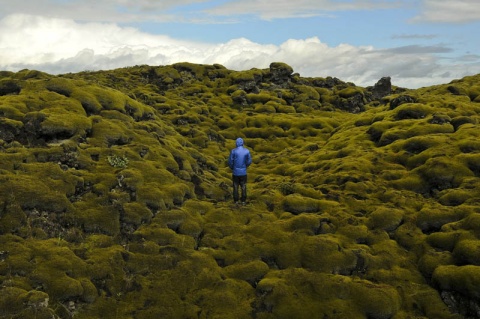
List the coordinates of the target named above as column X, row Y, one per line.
column 239, row 142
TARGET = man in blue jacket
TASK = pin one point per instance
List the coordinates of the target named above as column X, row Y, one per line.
column 238, row 161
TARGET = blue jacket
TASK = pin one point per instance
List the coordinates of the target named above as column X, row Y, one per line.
column 239, row 159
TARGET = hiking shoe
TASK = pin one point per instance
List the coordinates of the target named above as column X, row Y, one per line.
column 244, row 203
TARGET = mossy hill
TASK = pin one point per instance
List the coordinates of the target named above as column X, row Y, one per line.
column 115, row 196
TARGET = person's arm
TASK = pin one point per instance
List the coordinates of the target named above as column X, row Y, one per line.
column 230, row 160
column 249, row 159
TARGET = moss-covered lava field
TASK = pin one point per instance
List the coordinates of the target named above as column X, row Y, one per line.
column 115, row 196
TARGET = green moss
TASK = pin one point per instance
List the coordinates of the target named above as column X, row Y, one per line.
column 13, row 109
column 474, row 92
column 418, row 144
column 306, row 93
column 264, row 133
column 358, row 233
column 413, row 161
column 325, row 254
column 466, row 252
column 462, row 279
column 325, row 295
column 350, row 92
column 102, row 219
column 348, row 216
column 224, row 123
column 443, row 173
column 171, row 219
column 19, row 257
column 60, row 85
column 444, row 240
column 377, row 130
column 29, row 192
column 297, row 204
column 109, row 99
column 12, row 301
column 459, row 121
column 194, row 206
column 454, row 197
column 164, row 236
column 251, row 272
column 376, row 301
column 309, row 106
column 469, row 146
column 308, row 224
column 12, row 125
column 265, row 108
column 90, row 293
column 409, row 236
column 433, row 218
column 88, row 101
column 258, row 121
column 433, row 259
column 276, row 293
column 58, row 285
column 57, row 271
column 281, row 67
column 410, row 182
column 471, row 222
column 412, row 111
column 168, row 75
column 107, row 268
column 262, row 98
column 385, row 218
column 136, row 214
column 13, row 218
column 9, row 86
column 472, row 162
column 108, row 133
column 428, row 302
column 244, row 76
column 191, row 228
column 265, row 146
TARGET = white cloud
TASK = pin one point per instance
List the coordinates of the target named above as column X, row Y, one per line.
column 447, row 11
column 414, row 36
column 268, row 9
column 33, row 39
column 62, row 46
column 118, row 11
column 185, row 10
column 201, row 11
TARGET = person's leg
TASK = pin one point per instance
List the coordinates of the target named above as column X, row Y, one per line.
column 243, row 186
column 236, row 182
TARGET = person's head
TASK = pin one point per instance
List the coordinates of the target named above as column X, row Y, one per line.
column 239, row 142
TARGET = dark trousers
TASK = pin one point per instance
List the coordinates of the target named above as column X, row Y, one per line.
column 239, row 181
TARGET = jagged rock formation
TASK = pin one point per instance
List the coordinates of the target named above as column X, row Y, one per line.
column 382, row 88
column 115, row 197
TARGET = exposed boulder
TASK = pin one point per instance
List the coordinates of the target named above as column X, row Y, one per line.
column 9, row 129
column 247, row 81
column 9, row 87
column 328, row 82
column 382, row 88
column 280, row 73
column 402, row 99
column 440, row 118
column 353, row 104
column 454, row 90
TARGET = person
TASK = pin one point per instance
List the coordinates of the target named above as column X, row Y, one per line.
column 238, row 161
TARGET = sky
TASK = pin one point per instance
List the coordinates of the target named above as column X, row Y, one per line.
column 415, row 42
